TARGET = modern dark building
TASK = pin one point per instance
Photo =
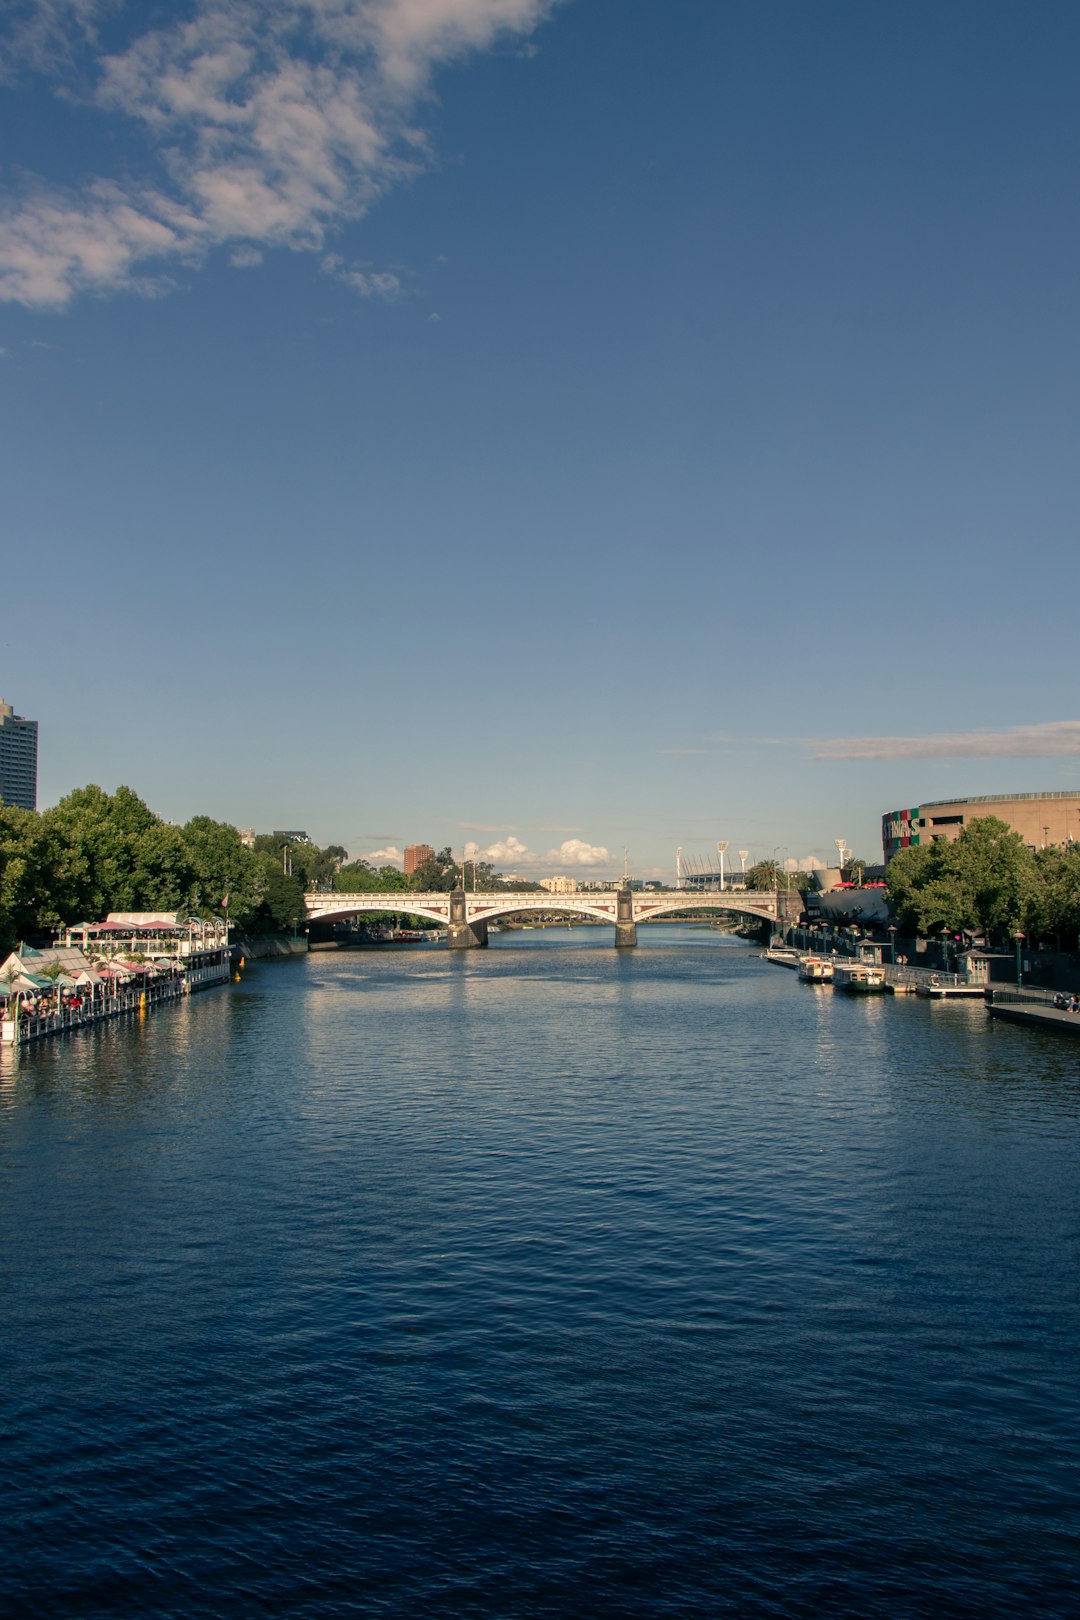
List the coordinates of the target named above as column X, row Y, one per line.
column 18, row 758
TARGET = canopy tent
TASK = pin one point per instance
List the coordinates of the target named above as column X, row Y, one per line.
column 21, row 984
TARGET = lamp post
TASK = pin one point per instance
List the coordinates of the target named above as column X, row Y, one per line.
column 721, row 849
column 892, row 942
column 1019, row 938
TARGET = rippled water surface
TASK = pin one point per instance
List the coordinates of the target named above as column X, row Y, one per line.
column 541, row 1281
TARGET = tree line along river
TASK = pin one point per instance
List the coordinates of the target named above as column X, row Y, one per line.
column 538, row 1281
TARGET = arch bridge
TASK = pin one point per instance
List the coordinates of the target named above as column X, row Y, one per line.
column 466, row 916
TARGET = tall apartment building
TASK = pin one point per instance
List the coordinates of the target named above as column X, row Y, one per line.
column 416, row 855
column 18, row 758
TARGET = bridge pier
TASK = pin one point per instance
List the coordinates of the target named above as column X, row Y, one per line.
column 625, row 926
column 464, row 935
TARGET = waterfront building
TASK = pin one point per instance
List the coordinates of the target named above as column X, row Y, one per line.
column 18, row 758
column 416, row 855
column 559, row 885
column 1041, row 819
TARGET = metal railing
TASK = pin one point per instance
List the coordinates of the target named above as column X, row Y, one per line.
column 1039, row 998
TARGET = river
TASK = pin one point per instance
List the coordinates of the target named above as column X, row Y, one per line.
column 541, row 1281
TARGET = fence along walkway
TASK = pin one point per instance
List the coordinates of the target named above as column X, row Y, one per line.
column 24, row 1028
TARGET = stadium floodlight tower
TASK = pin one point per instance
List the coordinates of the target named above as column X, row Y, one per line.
column 743, row 853
column 841, row 846
column 678, row 868
column 721, row 850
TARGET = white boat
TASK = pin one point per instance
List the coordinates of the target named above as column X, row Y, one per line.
column 862, row 978
column 815, row 969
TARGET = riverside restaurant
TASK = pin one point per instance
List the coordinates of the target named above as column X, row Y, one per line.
column 129, row 962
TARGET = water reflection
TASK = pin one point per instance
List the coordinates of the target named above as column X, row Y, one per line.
column 536, row 1279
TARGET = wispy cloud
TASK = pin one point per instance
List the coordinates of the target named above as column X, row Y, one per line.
column 362, row 280
column 264, row 126
column 1049, row 739
column 482, row 827
column 682, row 753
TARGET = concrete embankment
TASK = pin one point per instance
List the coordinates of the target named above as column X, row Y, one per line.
column 263, row 946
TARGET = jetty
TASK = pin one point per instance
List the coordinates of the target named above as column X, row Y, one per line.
column 1039, row 1009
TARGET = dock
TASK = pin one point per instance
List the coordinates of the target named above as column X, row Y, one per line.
column 1035, row 1008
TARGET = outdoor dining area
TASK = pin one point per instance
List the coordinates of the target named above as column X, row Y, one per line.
column 45, row 991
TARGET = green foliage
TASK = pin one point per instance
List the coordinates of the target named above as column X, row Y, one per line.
column 438, row 875
column 314, row 868
column 220, row 865
column 764, row 875
column 281, row 901
column 96, row 852
column 1053, row 911
column 984, row 881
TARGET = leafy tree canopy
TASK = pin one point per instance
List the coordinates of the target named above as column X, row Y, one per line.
column 983, row 881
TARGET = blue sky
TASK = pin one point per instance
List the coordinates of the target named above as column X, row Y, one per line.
column 557, row 427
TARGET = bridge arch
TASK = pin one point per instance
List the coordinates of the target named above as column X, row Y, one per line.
column 460, row 912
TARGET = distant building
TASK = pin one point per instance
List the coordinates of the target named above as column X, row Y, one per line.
column 1041, row 819
column 247, row 837
column 416, row 855
column 559, row 885
column 18, row 758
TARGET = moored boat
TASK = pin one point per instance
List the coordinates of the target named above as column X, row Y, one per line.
column 815, row 969
column 861, row 978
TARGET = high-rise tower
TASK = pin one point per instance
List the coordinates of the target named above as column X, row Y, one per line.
column 18, row 758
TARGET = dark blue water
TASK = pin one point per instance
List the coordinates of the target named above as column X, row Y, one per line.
column 541, row 1281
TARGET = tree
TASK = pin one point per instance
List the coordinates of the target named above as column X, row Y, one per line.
column 983, row 881
column 764, row 875
column 281, row 902
column 220, row 865
column 1053, row 911
column 439, row 874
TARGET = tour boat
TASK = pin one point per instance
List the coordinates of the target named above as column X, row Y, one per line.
column 863, row 978
column 815, row 969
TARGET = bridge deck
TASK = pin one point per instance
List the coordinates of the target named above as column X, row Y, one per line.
column 486, row 906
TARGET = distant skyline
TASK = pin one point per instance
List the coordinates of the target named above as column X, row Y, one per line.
column 544, row 427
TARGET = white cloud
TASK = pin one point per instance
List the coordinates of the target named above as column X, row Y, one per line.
column 574, row 852
column 245, row 258
column 502, row 851
column 266, row 126
column 1049, row 739
column 511, row 850
column 391, row 856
